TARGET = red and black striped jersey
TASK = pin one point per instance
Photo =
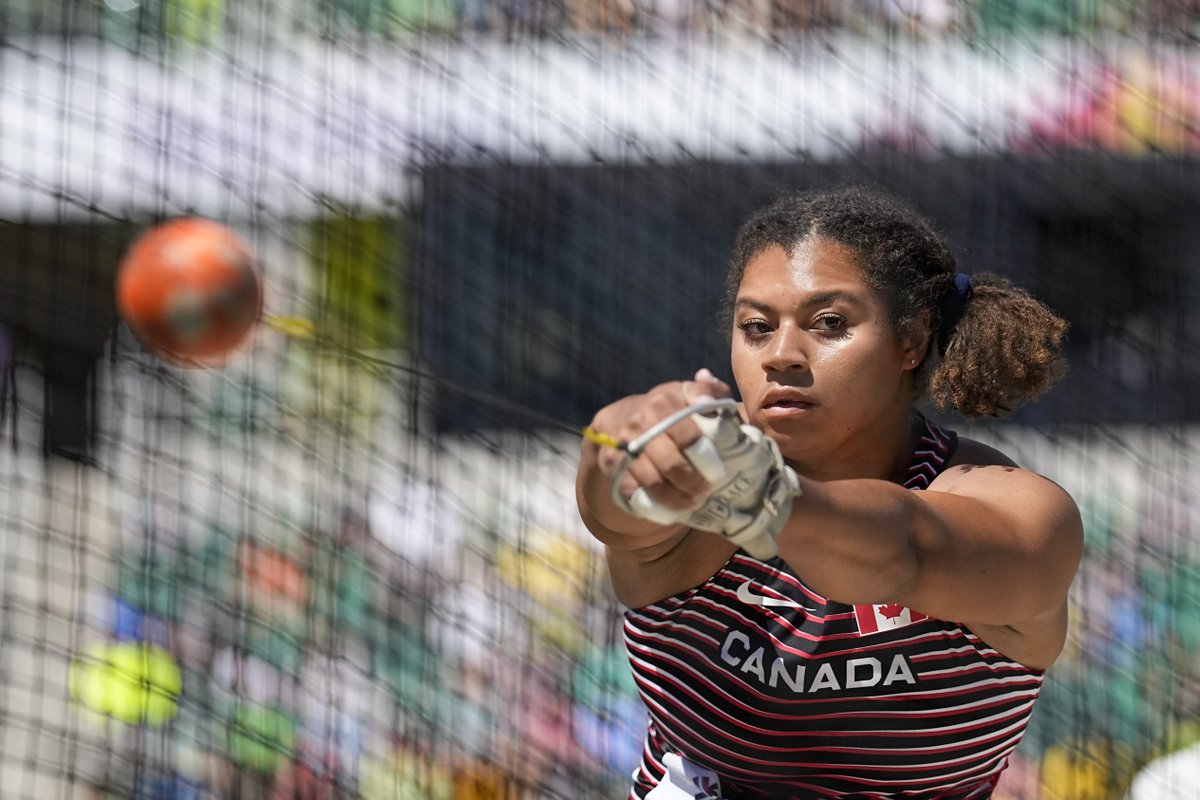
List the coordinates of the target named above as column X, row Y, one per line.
column 786, row 694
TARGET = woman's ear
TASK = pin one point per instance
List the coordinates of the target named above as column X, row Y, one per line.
column 915, row 341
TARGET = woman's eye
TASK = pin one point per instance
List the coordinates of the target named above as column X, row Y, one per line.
column 754, row 327
column 829, row 322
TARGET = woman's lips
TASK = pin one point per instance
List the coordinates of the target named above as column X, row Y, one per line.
column 786, row 408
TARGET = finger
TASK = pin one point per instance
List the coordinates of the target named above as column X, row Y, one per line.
column 705, row 383
column 609, row 460
column 642, row 506
column 679, row 456
column 668, row 475
column 658, row 492
column 664, row 401
column 645, row 475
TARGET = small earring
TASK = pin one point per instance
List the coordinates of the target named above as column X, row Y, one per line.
column 912, row 361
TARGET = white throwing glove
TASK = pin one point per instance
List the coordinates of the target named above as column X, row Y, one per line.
column 752, row 489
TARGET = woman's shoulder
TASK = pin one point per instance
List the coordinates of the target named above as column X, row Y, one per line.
column 970, row 452
column 985, row 472
column 973, row 463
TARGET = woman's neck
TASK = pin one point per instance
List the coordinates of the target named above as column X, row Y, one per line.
column 883, row 451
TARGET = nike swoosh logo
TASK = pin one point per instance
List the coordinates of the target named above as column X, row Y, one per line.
column 751, row 598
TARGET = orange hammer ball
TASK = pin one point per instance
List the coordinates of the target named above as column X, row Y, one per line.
column 190, row 290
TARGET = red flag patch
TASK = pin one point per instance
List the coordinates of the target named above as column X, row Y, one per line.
column 885, row 617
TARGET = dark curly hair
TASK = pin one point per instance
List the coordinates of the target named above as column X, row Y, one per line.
column 993, row 349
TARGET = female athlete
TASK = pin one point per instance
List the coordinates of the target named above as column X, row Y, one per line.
column 910, row 586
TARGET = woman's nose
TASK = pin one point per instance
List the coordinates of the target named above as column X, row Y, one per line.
column 786, row 351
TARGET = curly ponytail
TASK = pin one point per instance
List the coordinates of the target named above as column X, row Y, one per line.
column 1003, row 350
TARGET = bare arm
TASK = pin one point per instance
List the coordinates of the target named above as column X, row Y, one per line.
column 994, row 545
column 988, row 544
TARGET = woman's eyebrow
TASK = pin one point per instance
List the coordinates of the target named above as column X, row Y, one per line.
column 751, row 304
column 817, row 300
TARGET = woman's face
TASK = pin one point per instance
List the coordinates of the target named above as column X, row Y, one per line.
column 818, row 364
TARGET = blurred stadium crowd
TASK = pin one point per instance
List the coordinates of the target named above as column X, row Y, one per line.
column 392, row 637
column 768, row 19
column 435, row 624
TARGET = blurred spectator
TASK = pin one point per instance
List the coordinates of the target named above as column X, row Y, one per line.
column 1170, row 18
column 197, row 21
column 666, row 18
column 533, row 18
column 475, row 16
column 746, row 18
column 1084, row 770
column 800, row 16
column 1054, row 16
column 919, row 18
column 138, row 25
column 1171, row 777
column 298, row 781
column 602, row 16
column 1020, row 780
column 403, row 17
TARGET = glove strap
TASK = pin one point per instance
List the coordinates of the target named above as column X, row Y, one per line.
column 753, row 532
column 758, row 536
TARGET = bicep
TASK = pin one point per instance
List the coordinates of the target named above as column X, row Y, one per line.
column 1001, row 546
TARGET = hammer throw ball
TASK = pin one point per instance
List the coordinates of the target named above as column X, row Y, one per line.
column 190, row 290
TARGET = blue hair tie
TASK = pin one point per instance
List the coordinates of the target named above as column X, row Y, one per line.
column 963, row 284
column 953, row 306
